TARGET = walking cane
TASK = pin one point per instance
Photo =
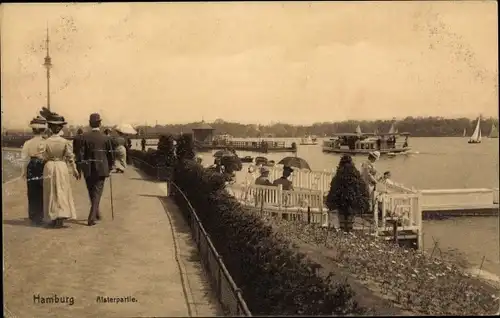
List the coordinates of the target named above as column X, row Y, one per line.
column 111, row 190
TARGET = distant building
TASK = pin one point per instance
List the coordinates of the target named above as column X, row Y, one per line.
column 203, row 133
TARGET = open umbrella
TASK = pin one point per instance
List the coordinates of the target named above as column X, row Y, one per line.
column 295, row 162
column 126, row 129
column 224, row 153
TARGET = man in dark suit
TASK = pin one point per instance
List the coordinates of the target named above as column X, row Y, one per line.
column 98, row 161
column 128, row 146
column 78, row 149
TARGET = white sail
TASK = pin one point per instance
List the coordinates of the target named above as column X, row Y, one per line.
column 493, row 132
column 358, row 130
column 392, row 130
column 465, row 132
column 476, row 136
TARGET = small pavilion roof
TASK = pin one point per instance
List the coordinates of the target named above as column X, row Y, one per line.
column 203, row 126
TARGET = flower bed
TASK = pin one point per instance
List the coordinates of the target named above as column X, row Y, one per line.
column 409, row 278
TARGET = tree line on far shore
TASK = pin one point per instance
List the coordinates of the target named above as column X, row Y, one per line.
column 416, row 126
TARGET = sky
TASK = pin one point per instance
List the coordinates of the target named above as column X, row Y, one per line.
column 254, row 62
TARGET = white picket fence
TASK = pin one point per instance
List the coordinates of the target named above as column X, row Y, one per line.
column 293, row 205
column 319, row 180
column 305, row 179
column 308, row 205
column 277, row 197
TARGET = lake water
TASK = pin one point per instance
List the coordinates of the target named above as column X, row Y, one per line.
column 439, row 163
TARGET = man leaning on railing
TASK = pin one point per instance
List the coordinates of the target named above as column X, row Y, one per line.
column 287, row 185
column 263, row 180
column 385, row 186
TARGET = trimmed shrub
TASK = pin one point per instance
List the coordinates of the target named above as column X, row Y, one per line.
column 185, row 147
column 348, row 193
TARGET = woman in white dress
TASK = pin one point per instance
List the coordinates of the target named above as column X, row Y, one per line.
column 59, row 163
column 120, row 152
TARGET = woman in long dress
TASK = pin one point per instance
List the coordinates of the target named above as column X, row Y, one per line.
column 59, row 163
column 120, row 152
column 32, row 156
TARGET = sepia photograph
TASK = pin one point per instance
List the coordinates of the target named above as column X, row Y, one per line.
column 288, row 158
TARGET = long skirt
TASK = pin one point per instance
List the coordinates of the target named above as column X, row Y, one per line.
column 57, row 195
column 121, row 158
column 34, row 182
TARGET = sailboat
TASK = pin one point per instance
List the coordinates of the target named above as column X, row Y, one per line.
column 465, row 132
column 358, row 130
column 493, row 131
column 392, row 130
column 476, row 136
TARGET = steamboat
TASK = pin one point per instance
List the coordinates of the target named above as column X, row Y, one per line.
column 364, row 143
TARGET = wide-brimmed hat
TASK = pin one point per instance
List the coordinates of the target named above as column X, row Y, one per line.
column 38, row 122
column 95, row 118
column 375, row 154
column 55, row 119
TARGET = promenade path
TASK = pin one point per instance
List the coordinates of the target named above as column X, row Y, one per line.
column 146, row 252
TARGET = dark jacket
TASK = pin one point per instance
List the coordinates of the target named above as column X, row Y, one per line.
column 97, row 154
column 287, row 184
column 78, row 147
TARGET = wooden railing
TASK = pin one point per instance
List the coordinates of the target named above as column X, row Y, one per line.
column 433, row 199
column 308, row 205
column 459, row 199
column 305, row 179
column 404, row 208
column 303, row 205
column 277, row 197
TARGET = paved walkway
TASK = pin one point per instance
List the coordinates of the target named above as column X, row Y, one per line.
column 145, row 253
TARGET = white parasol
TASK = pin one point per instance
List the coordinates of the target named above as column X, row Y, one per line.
column 126, row 129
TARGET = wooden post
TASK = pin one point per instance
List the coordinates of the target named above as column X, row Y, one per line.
column 395, row 231
column 375, row 216
column 280, row 200
column 261, row 203
column 419, row 218
column 384, row 208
